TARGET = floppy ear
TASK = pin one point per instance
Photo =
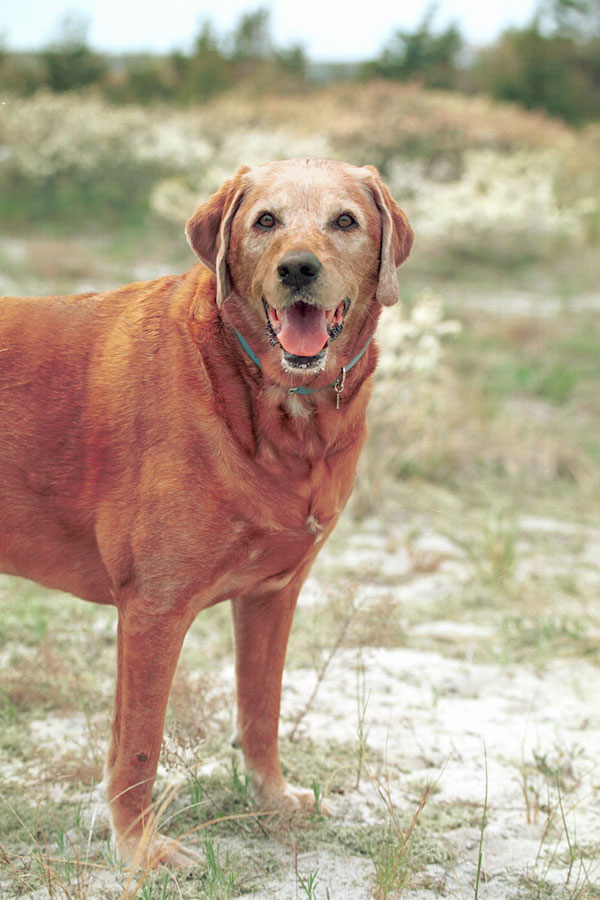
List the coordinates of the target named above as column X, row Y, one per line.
column 396, row 238
column 209, row 228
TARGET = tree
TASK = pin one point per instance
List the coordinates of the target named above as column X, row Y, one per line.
column 257, row 60
column 542, row 67
column 69, row 62
column 576, row 19
column 208, row 71
column 422, row 55
column 252, row 36
column 293, row 61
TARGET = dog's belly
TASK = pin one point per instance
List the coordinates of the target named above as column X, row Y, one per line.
column 45, row 547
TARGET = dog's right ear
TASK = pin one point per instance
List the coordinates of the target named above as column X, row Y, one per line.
column 209, row 228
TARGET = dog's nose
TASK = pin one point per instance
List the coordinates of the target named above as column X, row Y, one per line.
column 298, row 267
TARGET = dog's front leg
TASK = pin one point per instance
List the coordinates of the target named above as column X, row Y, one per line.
column 261, row 628
column 148, row 650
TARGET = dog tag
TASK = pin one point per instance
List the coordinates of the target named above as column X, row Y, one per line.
column 339, row 387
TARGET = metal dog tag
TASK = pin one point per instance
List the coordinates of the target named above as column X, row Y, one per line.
column 339, row 387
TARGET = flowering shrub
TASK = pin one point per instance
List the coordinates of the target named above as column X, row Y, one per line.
column 49, row 135
column 82, row 150
column 507, row 201
column 69, row 155
column 415, row 344
column 175, row 197
column 407, row 412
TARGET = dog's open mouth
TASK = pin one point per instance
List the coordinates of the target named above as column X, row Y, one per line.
column 304, row 330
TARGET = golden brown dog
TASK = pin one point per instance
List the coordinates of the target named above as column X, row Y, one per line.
column 179, row 442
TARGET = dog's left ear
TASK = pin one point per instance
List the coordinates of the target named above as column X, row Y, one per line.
column 396, row 238
column 209, row 228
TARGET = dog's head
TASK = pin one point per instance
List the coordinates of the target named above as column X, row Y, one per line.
column 307, row 246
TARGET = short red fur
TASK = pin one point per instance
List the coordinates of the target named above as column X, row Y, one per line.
column 146, row 461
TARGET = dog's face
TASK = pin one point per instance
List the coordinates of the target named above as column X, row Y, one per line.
column 308, row 246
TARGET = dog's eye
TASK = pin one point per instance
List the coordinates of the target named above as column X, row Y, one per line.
column 266, row 220
column 345, row 221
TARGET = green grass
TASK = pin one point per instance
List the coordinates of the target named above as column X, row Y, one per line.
column 545, row 359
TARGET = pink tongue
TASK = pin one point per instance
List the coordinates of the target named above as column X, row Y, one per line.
column 304, row 330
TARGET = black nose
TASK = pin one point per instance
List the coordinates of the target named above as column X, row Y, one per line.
column 298, row 267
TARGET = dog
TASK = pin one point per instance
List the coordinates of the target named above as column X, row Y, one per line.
column 175, row 443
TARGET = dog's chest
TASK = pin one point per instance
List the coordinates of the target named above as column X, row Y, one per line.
column 283, row 528
column 265, row 559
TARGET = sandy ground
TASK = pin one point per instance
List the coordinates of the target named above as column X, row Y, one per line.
column 440, row 717
column 437, row 718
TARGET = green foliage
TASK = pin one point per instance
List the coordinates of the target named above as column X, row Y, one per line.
column 214, row 65
column 252, row 36
column 578, row 19
column 424, row 55
column 207, row 72
column 293, row 61
column 69, row 63
column 308, row 884
column 220, row 877
column 391, row 861
column 552, row 64
column 555, row 72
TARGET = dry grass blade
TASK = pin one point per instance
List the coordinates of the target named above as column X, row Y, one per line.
column 335, row 647
column 483, row 824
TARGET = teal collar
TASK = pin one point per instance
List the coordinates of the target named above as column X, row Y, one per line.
column 337, row 385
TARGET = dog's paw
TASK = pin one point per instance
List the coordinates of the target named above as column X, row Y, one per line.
column 150, row 851
column 287, row 799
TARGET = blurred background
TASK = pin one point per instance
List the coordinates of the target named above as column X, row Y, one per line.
column 473, row 536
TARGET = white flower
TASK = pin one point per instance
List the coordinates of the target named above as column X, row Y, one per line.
column 504, row 199
column 414, row 345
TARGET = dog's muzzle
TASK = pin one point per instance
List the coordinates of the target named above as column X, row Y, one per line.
column 304, row 330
